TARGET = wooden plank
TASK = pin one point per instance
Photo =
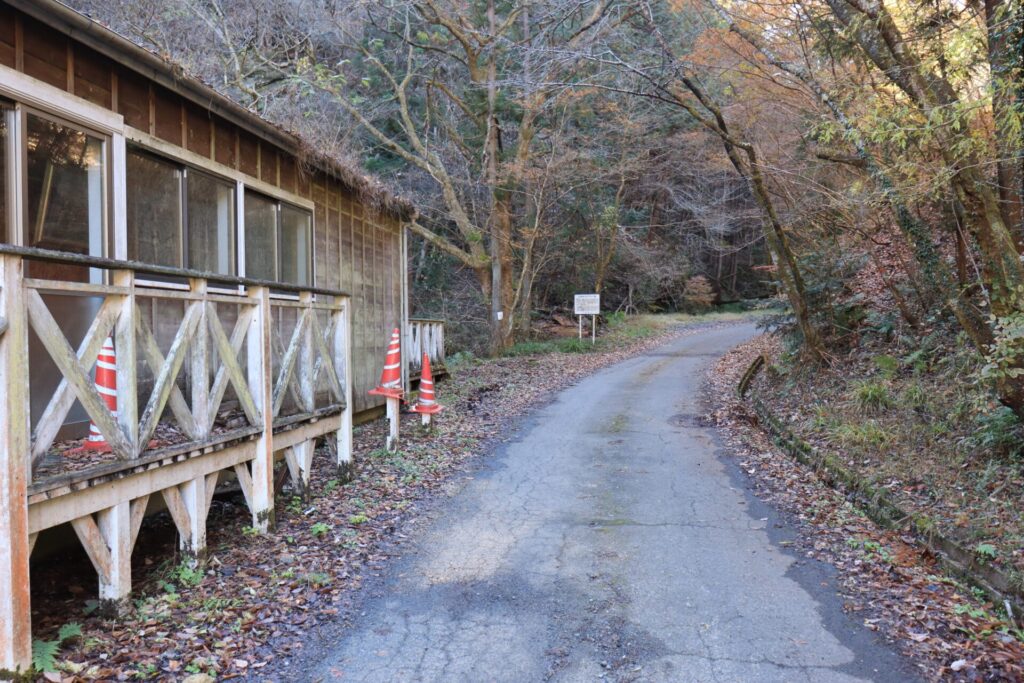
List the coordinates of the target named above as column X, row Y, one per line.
column 288, row 364
column 307, row 368
column 32, row 538
column 114, row 525
column 155, row 358
column 193, row 495
column 95, row 547
column 63, row 398
column 15, row 607
column 67, row 361
column 211, row 486
column 342, row 347
column 260, row 375
column 125, row 348
column 228, row 350
column 53, row 512
column 179, row 513
column 138, row 513
column 199, row 364
column 325, row 360
column 169, row 372
column 245, row 483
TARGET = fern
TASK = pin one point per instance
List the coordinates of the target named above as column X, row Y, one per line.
column 44, row 654
column 69, row 631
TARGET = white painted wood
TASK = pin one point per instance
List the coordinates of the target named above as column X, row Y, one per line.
column 193, row 495
column 155, row 359
column 63, row 398
column 199, row 363
column 15, row 547
column 166, row 376
column 66, row 359
column 299, row 459
column 32, row 538
column 119, row 176
column 138, row 512
column 306, row 364
column 230, row 370
column 394, row 417
column 211, row 488
column 180, row 514
column 342, row 347
column 35, row 93
column 261, row 377
column 245, row 483
column 126, row 354
column 114, row 524
column 52, row 512
column 288, row 362
column 95, row 546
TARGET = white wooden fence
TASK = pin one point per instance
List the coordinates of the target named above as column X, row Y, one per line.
column 425, row 336
column 274, row 359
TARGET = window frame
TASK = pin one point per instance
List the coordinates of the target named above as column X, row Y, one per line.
column 21, row 113
column 278, row 237
column 22, row 94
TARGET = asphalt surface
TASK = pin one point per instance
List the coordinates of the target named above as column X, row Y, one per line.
column 609, row 540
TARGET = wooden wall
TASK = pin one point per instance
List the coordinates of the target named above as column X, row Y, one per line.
column 354, row 250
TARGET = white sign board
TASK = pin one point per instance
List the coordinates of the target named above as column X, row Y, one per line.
column 588, row 304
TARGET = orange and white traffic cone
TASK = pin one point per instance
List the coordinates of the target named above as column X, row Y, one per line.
column 391, row 386
column 106, row 385
column 427, row 404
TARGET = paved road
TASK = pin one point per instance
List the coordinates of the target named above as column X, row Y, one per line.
column 608, row 541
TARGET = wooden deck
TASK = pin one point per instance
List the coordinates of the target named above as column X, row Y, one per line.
column 278, row 356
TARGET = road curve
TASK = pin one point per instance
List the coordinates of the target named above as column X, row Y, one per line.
column 609, row 541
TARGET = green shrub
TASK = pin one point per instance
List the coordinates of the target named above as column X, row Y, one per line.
column 999, row 432
column 872, row 396
column 887, row 365
column 615, row 319
column 867, row 434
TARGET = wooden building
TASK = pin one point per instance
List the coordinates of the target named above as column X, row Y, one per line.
column 248, row 286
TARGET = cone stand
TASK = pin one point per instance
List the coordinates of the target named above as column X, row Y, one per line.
column 427, row 404
column 391, row 387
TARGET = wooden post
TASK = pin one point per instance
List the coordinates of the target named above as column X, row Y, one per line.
column 581, row 327
column 125, row 348
column 193, row 495
column 306, row 356
column 342, row 348
column 299, row 459
column 199, row 367
column 593, row 330
column 15, row 612
column 261, row 385
column 394, row 414
column 115, row 526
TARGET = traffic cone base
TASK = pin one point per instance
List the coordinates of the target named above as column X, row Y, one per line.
column 427, row 403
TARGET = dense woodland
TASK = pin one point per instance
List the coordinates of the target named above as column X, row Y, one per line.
column 861, row 158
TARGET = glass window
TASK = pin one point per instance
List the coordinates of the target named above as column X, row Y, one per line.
column 260, row 237
column 211, row 223
column 154, row 210
column 65, row 173
column 295, row 245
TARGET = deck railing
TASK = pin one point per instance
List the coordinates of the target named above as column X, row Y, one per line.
column 425, row 336
column 240, row 370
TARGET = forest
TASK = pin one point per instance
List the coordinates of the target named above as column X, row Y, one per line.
column 860, row 158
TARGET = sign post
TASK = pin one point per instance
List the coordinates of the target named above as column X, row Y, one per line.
column 588, row 304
